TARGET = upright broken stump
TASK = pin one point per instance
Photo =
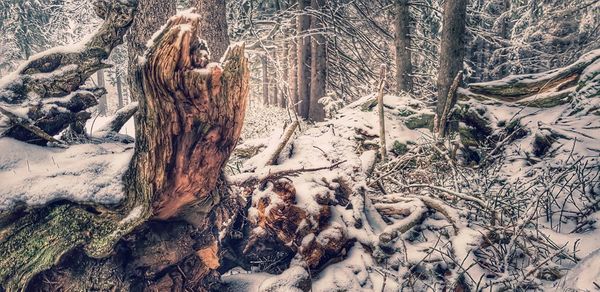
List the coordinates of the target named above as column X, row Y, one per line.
column 190, row 119
column 163, row 236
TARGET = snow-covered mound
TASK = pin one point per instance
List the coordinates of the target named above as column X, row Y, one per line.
column 35, row 175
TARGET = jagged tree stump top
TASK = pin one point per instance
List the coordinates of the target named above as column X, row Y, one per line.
column 192, row 111
column 188, row 122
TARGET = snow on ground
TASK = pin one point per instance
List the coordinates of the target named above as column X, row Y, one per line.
column 351, row 136
column 35, row 175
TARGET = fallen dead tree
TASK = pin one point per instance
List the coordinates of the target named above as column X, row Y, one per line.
column 545, row 89
column 44, row 96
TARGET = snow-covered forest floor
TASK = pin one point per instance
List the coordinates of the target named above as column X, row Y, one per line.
column 422, row 221
column 510, row 203
column 510, row 200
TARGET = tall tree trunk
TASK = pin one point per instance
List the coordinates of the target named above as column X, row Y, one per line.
column 119, row 89
column 265, row 79
column 318, row 65
column 275, row 95
column 452, row 52
column 402, row 44
column 150, row 16
column 213, row 26
column 102, row 102
column 304, row 58
column 284, row 57
column 293, row 71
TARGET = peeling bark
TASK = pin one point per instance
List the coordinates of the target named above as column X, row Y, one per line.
column 192, row 111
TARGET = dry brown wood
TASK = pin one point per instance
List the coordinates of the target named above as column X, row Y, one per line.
column 190, row 119
column 188, row 123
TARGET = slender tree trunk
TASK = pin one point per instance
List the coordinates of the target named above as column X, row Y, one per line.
column 402, row 44
column 452, row 51
column 304, row 59
column 119, row 89
column 380, row 94
column 102, row 103
column 265, row 79
column 293, row 71
column 318, row 65
column 283, row 96
column 275, row 95
column 213, row 26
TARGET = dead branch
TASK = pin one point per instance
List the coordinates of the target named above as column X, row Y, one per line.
column 54, row 78
column 118, row 121
column 287, row 134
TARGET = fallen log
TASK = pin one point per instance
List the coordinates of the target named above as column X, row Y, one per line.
column 112, row 128
column 45, row 93
column 287, row 134
column 546, row 89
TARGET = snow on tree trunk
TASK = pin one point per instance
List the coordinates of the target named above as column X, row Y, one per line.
column 34, row 239
column 546, row 89
column 55, row 80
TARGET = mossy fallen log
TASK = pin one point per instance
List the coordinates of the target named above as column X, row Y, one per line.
column 543, row 90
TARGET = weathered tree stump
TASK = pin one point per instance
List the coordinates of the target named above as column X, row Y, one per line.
column 164, row 235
